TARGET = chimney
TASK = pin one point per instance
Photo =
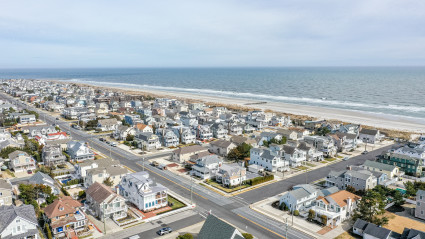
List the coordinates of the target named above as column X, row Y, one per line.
column 117, row 189
column 348, row 204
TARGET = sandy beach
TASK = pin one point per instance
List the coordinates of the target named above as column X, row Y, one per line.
column 382, row 121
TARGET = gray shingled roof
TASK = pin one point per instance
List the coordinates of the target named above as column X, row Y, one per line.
column 379, row 165
column 10, row 213
column 215, row 228
column 299, row 193
column 377, row 232
column 360, row 224
column 221, row 143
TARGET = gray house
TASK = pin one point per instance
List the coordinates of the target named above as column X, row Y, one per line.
column 52, row 155
column 214, row 228
column 360, row 180
column 105, row 203
column 5, row 192
column 420, row 204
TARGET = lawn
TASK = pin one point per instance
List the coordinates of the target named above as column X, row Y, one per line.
column 176, row 203
column 302, row 168
column 345, row 235
column 310, row 165
column 330, row 159
column 323, row 162
column 227, row 190
column 398, row 223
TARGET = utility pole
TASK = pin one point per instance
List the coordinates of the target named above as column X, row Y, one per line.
column 286, row 228
column 191, row 189
column 104, row 223
column 143, row 163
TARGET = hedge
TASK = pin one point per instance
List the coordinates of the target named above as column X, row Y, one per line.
column 259, row 180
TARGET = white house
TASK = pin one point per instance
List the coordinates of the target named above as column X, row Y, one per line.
column 300, row 198
column 231, row 175
column 105, row 203
column 337, row 207
column 370, row 135
column 79, row 151
column 18, row 222
column 143, row 192
column 206, row 167
column 272, row 160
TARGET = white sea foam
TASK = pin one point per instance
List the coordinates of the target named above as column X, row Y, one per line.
column 274, row 98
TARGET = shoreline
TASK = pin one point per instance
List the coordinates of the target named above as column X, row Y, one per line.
column 380, row 121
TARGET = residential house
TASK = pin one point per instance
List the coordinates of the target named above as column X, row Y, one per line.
column 168, row 138
column 100, row 174
column 121, row 132
column 18, row 222
column 187, row 137
column 147, row 141
column 41, row 130
column 183, row 154
column 215, row 228
column 221, row 147
column 324, row 144
column 4, row 135
column 101, row 108
column 374, row 166
column 409, row 158
column 132, row 119
column 105, row 203
column 420, row 204
column 79, row 151
column 231, row 175
column 235, row 129
column 44, row 179
column 349, row 129
column 107, row 124
column 369, row 230
column 143, row 128
column 409, row 233
column 52, row 155
column 345, row 142
column 27, row 119
column 271, row 159
column 74, row 112
column 219, row 130
column 206, row 167
column 360, row 180
column 5, row 192
column 288, row 134
column 20, row 161
column 142, row 191
column 204, row 132
column 312, row 154
column 337, row 207
column 65, row 215
column 294, row 156
column 300, row 198
column 370, row 135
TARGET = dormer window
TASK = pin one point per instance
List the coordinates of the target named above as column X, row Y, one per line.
column 61, row 209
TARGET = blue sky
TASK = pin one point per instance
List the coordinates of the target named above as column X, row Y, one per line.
column 185, row 33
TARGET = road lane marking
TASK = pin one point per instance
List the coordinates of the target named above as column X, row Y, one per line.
column 262, row 226
column 173, row 182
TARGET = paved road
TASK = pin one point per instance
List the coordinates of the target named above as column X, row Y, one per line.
column 284, row 185
column 235, row 209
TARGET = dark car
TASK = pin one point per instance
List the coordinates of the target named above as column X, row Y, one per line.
column 101, row 139
column 164, row 231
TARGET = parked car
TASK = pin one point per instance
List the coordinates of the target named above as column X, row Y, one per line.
column 365, row 152
column 57, row 118
column 107, row 142
column 164, row 231
column 346, row 158
column 29, row 171
column 155, row 164
column 162, row 167
column 101, row 139
column 113, row 144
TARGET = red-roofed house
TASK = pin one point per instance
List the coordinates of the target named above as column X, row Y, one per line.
column 337, row 207
column 65, row 215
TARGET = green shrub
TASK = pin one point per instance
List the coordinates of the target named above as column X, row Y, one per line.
column 247, row 235
column 185, row 236
column 296, row 213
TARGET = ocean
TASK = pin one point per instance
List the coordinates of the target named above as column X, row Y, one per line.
column 391, row 91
